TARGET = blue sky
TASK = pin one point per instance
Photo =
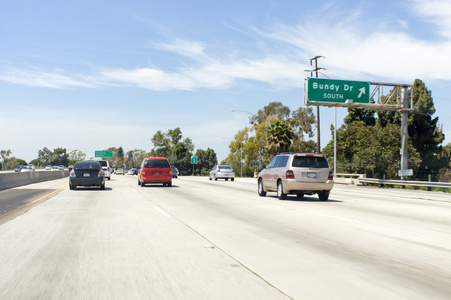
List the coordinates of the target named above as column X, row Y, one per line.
column 89, row 75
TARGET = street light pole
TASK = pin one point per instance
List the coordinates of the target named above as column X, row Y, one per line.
column 241, row 155
column 241, row 158
column 259, row 158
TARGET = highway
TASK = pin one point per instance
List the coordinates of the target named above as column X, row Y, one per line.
column 202, row 239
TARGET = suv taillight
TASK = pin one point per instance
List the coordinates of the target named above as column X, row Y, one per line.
column 331, row 176
column 290, row 174
column 72, row 173
column 100, row 174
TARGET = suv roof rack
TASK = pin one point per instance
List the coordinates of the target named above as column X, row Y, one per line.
column 289, row 153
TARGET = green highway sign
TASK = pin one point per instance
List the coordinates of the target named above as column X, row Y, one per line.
column 337, row 91
column 194, row 160
column 104, row 153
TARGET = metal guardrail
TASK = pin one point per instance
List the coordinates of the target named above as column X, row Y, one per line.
column 428, row 184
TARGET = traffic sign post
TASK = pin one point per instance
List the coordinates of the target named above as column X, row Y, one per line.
column 103, row 153
column 406, row 172
column 193, row 162
column 337, row 91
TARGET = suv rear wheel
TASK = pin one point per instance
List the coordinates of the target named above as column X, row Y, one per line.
column 323, row 196
column 280, row 193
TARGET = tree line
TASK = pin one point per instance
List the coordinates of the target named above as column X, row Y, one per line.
column 170, row 144
column 368, row 143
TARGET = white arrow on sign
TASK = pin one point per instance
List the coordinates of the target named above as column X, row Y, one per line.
column 362, row 91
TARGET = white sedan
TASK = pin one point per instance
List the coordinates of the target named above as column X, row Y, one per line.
column 222, row 172
column 120, row 171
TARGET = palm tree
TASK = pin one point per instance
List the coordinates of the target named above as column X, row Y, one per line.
column 280, row 135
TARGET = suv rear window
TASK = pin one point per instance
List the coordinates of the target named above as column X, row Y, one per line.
column 309, row 162
column 156, row 163
column 87, row 165
column 103, row 163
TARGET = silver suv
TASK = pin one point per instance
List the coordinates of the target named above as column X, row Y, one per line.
column 106, row 168
column 297, row 173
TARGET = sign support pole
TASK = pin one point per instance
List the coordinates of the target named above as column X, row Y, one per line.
column 335, row 141
column 404, row 128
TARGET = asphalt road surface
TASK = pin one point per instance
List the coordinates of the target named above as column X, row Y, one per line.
column 202, row 239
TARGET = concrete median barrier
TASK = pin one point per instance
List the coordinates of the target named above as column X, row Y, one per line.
column 10, row 180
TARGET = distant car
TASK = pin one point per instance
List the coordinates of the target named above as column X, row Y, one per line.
column 61, row 167
column 18, row 168
column 120, row 171
column 106, row 168
column 87, row 173
column 297, row 173
column 175, row 172
column 222, row 172
column 26, row 169
column 135, row 171
column 49, row 167
column 155, row 170
column 55, row 168
column 32, row 167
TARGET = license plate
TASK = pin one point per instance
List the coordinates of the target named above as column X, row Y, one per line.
column 311, row 175
column 157, row 173
column 86, row 175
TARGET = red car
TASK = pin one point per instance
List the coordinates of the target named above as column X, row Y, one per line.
column 155, row 170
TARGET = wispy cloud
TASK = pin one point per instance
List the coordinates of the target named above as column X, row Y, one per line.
column 56, row 79
column 352, row 50
column 184, row 48
column 435, row 11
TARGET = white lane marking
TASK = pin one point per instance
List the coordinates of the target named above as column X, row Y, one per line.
column 134, row 190
column 329, row 216
column 161, row 211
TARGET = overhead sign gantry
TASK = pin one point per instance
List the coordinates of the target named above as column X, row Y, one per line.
column 357, row 94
